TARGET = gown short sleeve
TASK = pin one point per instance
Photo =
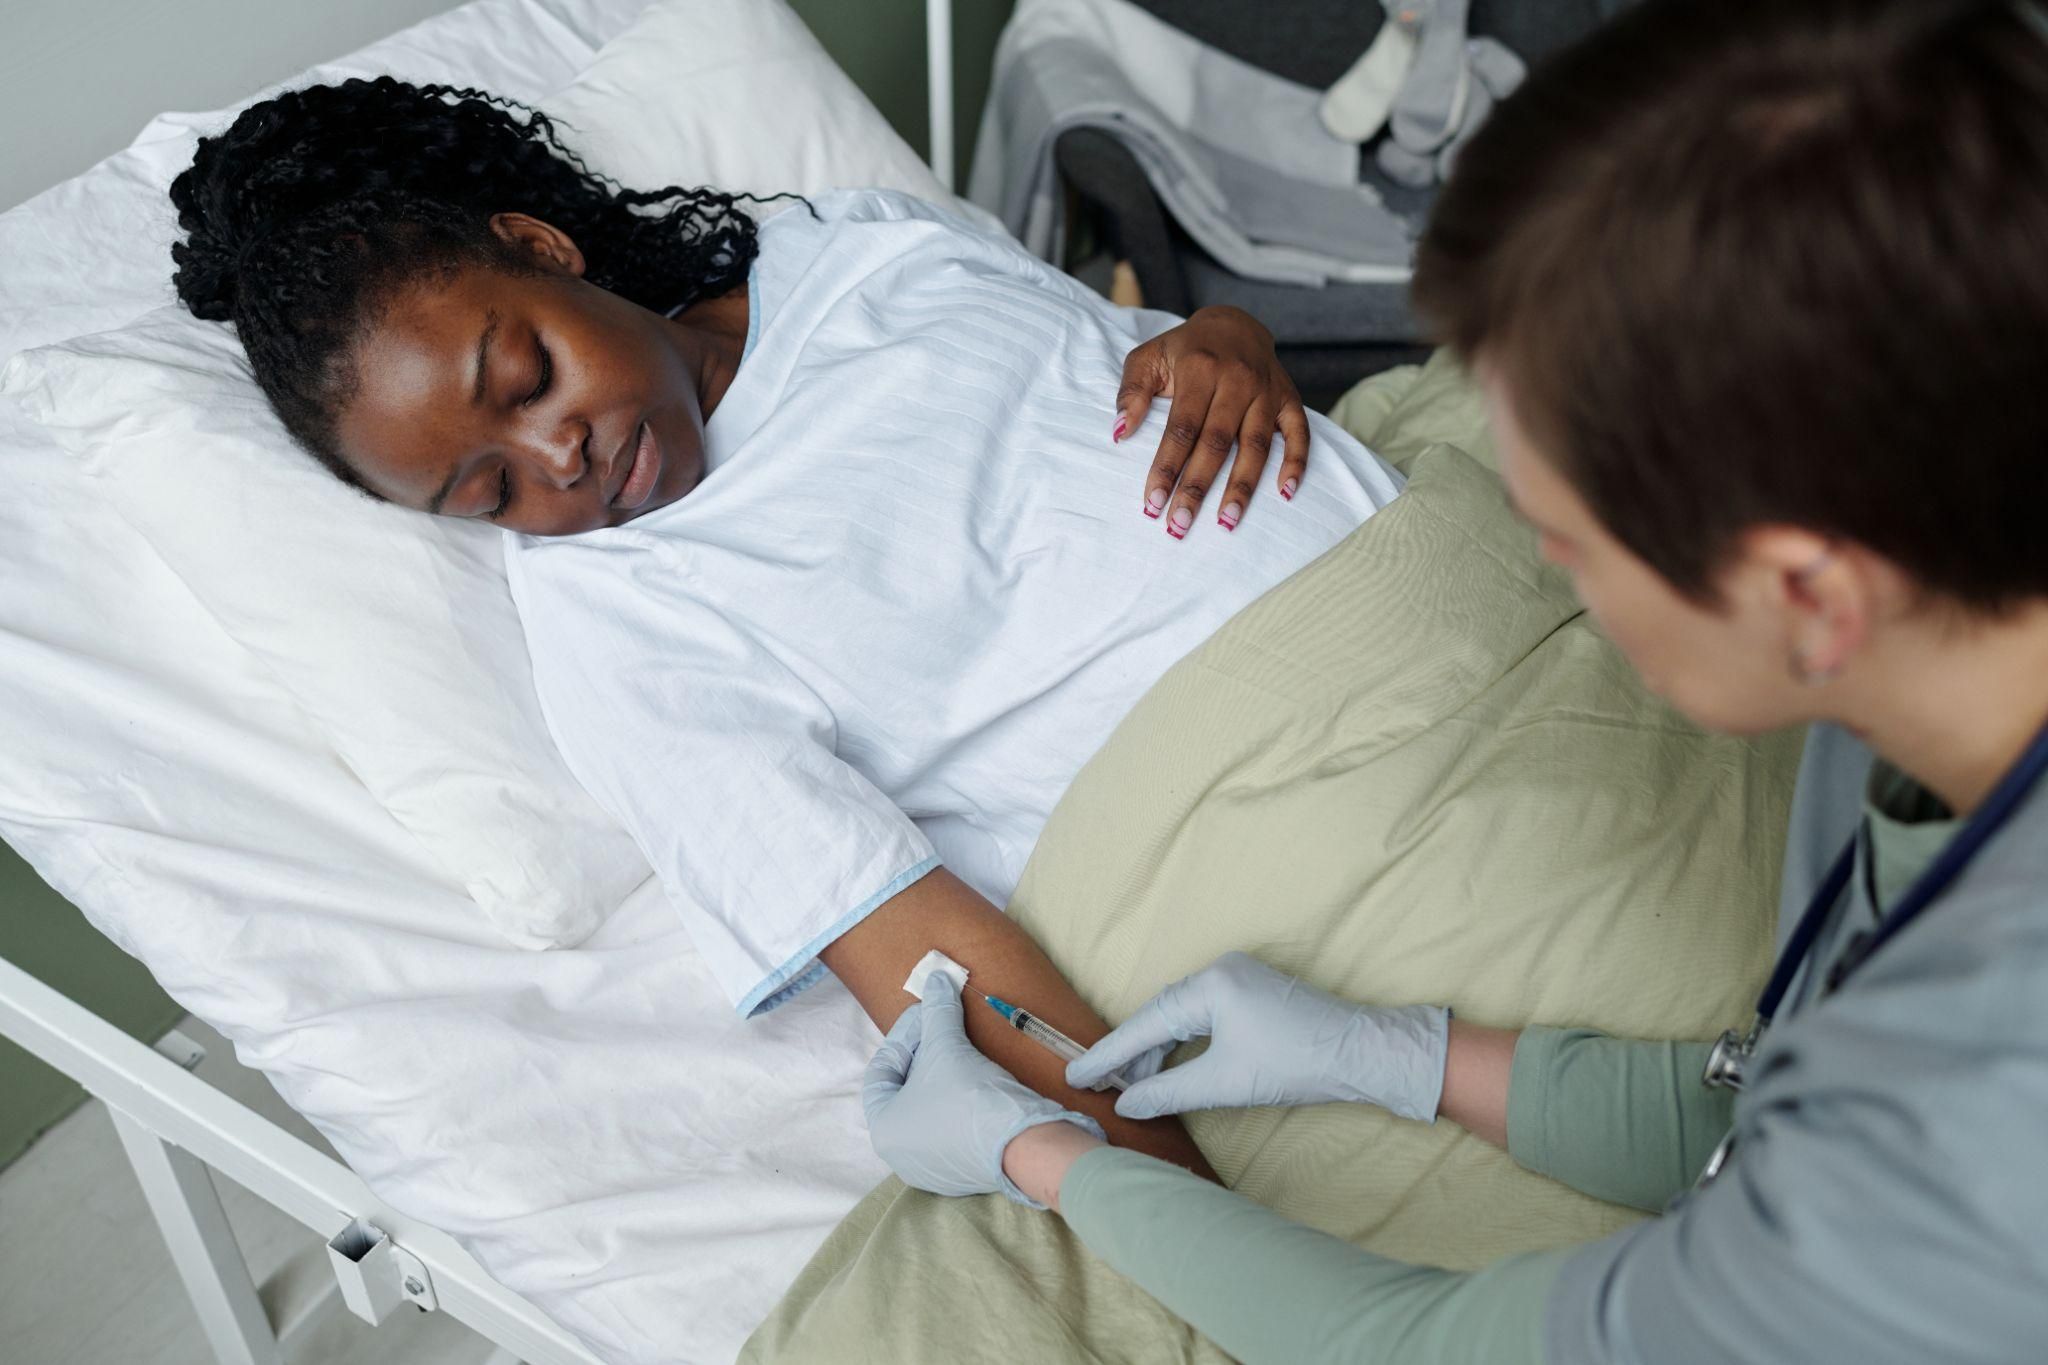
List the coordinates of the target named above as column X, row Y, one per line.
column 718, row 760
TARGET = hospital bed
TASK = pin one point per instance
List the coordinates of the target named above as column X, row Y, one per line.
column 581, row 1153
column 225, row 714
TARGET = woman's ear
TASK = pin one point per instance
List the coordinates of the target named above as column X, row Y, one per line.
column 1823, row 591
column 548, row 243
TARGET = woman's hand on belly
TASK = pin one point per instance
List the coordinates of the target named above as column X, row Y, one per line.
column 941, row 911
column 1228, row 388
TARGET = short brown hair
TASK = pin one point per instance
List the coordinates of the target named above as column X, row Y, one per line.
column 1781, row 262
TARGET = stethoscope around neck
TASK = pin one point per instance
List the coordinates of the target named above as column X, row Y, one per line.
column 1728, row 1063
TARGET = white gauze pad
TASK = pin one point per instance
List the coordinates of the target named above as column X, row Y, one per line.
column 935, row 961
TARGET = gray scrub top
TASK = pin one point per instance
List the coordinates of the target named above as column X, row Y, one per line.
column 1888, row 1197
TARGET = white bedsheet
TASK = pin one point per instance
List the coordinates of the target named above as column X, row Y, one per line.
column 595, row 1124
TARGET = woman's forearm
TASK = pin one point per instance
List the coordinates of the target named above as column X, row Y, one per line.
column 1621, row 1119
column 1038, row 1159
column 1266, row 1289
column 1618, row 1119
column 1478, row 1065
column 940, row 911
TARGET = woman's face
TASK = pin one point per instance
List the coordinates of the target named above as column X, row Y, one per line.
column 538, row 402
column 1735, row 665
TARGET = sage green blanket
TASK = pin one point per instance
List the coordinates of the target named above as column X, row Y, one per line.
column 1413, row 772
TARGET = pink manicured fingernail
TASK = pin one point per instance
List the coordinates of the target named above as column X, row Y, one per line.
column 1118, row 434
column 1178, row 523
column 1287, row 489
column 1155, row 502
column 1229, row 516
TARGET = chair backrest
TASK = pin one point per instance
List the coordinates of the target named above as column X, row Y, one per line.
column 1315, row 41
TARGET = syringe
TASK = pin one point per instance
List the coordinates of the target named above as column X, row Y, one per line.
column 1050, row 1038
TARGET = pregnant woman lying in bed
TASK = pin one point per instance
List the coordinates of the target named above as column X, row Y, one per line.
column 831, row 565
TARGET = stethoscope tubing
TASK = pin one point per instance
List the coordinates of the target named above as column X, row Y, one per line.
column 1955, row 858
column 1729, row 1059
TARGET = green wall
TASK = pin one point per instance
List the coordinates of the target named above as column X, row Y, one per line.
column 43, row 935
column 881, row 45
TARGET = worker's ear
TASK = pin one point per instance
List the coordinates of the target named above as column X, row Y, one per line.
column 1824, row 592
column 552, row 247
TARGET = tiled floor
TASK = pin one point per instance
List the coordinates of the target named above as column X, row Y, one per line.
column 85, row 1279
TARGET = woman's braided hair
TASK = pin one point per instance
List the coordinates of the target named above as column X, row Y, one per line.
column 314, row 206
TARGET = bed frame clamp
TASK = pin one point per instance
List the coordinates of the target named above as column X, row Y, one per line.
column 376, row 1274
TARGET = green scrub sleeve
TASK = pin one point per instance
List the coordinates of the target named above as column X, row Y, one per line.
column 1624, row 1121
column 1264, row 1288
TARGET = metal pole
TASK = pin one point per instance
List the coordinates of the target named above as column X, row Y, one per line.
column 938, row 61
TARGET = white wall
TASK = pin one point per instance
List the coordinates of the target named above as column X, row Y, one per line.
column 79, row 78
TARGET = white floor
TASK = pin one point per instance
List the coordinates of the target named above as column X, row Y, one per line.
column 85, row 1280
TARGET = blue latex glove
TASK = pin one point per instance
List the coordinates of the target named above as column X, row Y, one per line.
column 1276, row 1040
column 939, row 1112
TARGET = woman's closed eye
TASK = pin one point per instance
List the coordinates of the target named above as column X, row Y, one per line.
column 504, row 494
column 540, row 388
column 547, row 372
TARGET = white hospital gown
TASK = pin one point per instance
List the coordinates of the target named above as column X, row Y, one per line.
column 912, row 595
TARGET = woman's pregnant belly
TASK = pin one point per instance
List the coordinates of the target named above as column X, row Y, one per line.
column 1106, row 603
column 978, row 626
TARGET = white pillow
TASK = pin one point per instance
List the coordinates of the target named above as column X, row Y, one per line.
column 735, row 94
column 394, row 630
column 94, row 252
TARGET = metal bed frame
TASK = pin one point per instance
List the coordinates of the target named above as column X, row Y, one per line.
column 177, row 1130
